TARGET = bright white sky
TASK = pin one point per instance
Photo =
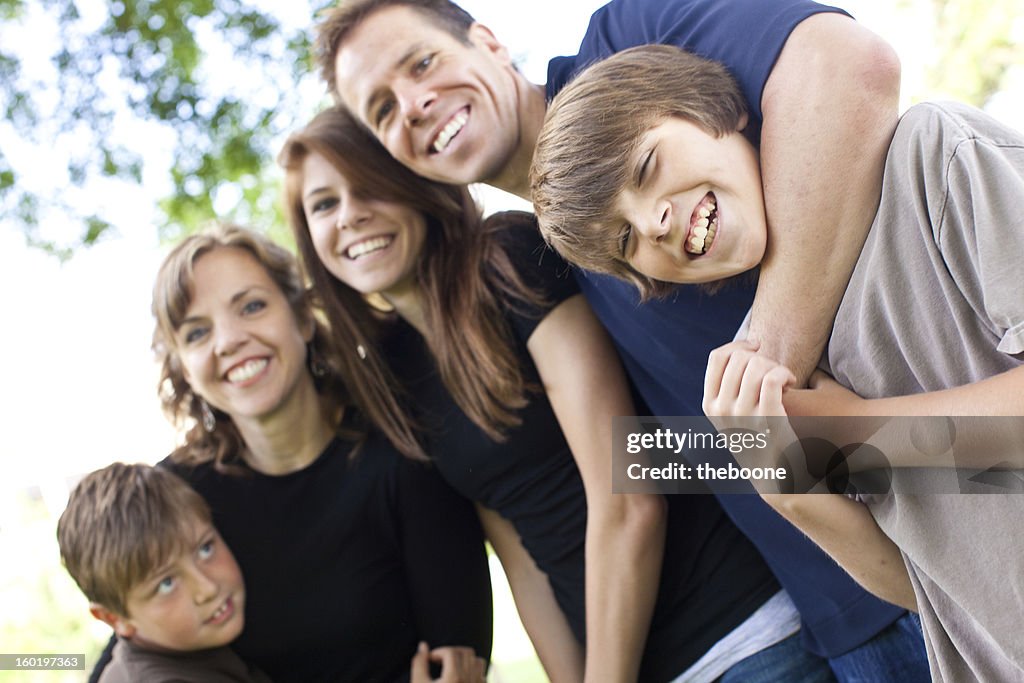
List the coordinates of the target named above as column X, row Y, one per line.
column 78, row 382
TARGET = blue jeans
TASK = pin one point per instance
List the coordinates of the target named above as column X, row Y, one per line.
column 895, row 654
column 784, row 662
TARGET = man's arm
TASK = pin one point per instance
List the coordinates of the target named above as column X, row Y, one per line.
column 829, row 108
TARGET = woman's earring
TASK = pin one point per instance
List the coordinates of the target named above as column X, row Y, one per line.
column 209, row 419
column 361, row 351
column 316, row 364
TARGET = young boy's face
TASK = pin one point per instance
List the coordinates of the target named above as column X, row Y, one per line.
column 195, row 601
column 693, row 209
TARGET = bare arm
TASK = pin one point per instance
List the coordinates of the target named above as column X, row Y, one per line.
column 625, row 540
column 741, row 382
column 979, row 442
column 559, row 652
column 829, row 109
column 847, row 532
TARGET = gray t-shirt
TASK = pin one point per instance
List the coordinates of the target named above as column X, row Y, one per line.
column 937, row 301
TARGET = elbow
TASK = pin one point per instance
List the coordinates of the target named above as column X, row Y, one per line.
column 645, row 516
column 881, row 71
column 790, row 506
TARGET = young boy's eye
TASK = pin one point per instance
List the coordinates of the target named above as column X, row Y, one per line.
column 627, row 230
column 165, row 586
column 206, row 549
column 645, row 165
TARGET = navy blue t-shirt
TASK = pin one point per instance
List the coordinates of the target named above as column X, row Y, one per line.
column 665, row 344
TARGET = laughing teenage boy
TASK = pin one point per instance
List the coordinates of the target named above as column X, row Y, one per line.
column 443, row 96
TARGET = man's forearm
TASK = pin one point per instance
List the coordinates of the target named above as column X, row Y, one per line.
column 830, row 108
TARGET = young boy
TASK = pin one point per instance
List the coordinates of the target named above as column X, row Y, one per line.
column 642, row 171
column 141, row 545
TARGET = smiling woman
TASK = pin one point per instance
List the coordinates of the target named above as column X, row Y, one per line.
column 331, row 526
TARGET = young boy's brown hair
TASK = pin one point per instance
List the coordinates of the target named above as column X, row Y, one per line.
column 121, row 524
column 595, row 124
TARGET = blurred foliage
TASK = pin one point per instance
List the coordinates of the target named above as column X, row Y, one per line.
column 44, row 612
column 219, row 75
column 977, row 43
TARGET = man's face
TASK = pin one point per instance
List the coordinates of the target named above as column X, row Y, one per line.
column 445, row 109
column 693, row 210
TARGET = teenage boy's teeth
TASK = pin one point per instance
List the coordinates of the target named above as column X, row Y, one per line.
column 247, row 370
column 449, row 131
column 702, row 237
column 367, row 246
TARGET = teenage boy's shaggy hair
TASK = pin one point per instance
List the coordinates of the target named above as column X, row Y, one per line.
column 122, row 523
column 591, row 129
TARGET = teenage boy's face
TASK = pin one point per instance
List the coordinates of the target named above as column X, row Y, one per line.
column 694, row 206
column 194, row 602
column 444, row 109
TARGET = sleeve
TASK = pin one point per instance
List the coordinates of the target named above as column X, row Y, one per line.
column 540, row 268
column 744, row 35
column 104, row 660
column 980, row 230
column 445, row 561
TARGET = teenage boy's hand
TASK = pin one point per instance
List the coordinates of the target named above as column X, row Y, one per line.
column 739, row 382
column 458, row 665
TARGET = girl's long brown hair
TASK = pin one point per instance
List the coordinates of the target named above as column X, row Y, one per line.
column 467, row 283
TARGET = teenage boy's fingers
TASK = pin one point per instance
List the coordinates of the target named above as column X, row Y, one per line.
column 732, row 382
column 749, row 395
column 419, row 670
column 717, row 362
column 772, row 386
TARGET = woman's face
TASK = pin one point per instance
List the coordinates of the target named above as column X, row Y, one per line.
column 240, row 345
column 694, row 206
column 369, row 244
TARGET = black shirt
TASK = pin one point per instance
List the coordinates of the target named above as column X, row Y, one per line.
column 348, row 564
column 712, row 577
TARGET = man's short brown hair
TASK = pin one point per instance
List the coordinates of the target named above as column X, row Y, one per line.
column 595, row 124
column 121, row 524
column 343, row 19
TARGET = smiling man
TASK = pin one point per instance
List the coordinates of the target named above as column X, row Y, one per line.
column 441, row 93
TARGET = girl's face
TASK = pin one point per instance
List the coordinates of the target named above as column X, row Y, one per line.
column 371, row 245
column 693, row 210
column 241, row 346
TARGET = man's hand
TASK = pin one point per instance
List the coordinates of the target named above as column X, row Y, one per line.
column 458, row 665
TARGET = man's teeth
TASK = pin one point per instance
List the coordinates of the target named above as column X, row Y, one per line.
column 450, row 130
column 368, row 246
column 247, row 370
